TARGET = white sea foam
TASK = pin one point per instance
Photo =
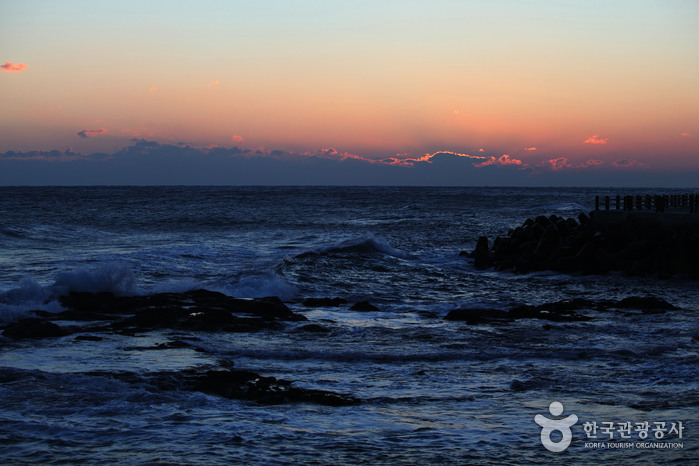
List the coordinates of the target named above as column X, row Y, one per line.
column 29, row 295
column 114, row 277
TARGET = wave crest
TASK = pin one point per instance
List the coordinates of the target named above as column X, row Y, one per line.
column 366, row 244
column 113, row 277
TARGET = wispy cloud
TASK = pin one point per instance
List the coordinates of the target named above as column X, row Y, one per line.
column 214, row 83
column 629, row 164
column 530, row 148
column 153, row 88
column 237, row 138
column 503, row 160
column 596, row 139
column 87, row 133
column 685, row 134
column 562, row 163
column 13, row 67
column 427, row 158
column 48, row 155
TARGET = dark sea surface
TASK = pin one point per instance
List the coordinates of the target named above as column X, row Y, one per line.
column 431, row 391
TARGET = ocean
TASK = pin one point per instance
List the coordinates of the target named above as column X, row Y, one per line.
column 430, row 390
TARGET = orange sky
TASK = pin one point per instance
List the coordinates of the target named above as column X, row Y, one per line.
column 370, row 78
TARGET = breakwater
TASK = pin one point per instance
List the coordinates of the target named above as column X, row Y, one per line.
column 644, row 235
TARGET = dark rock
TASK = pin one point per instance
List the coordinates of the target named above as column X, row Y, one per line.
column 85, row 316
column 364, row 306
column 561, row 311
column 324, row 302
column 198, row 310
column 88, row 338
column 33, row 328
column 653, row 311
column 88, row 302
column 233, row 384
column 644, row 302
column 522, row 386
column 172, row 344
column 480, row 254
column 537, row 230
column 267, row 390
column 270, row 308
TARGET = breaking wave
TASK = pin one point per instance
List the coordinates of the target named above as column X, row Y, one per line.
column 366, row 244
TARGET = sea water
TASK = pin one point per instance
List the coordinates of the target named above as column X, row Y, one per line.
column 431, row 391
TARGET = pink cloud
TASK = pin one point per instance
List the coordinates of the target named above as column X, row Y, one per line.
column 559, row 163
column 406, row 161
column 214, row 83
column 237, row 138
column 685, row 134
column 153, row 88
column 562, row 163
column 530, row 148
column 332, row 153
column 13, row 67
column 347, row 155
column 86, row 133
column 596, row 139
column 329, row 151
column 503, row 160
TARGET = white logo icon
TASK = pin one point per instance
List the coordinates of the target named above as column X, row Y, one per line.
column 548, row 426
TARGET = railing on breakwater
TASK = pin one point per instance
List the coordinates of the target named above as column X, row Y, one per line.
column 688, row 203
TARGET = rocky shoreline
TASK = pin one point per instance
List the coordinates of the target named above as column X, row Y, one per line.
column 94, row 316
column 637, row 245
column 192, row 311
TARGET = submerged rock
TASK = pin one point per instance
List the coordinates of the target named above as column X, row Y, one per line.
column 33, row 328
column 234, row 384
column 364, row 306
column 559, row 311
column 645, row 302
column 324, row 302
column 313, row 328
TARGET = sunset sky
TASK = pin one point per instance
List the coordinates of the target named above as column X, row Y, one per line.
column 542, row 86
